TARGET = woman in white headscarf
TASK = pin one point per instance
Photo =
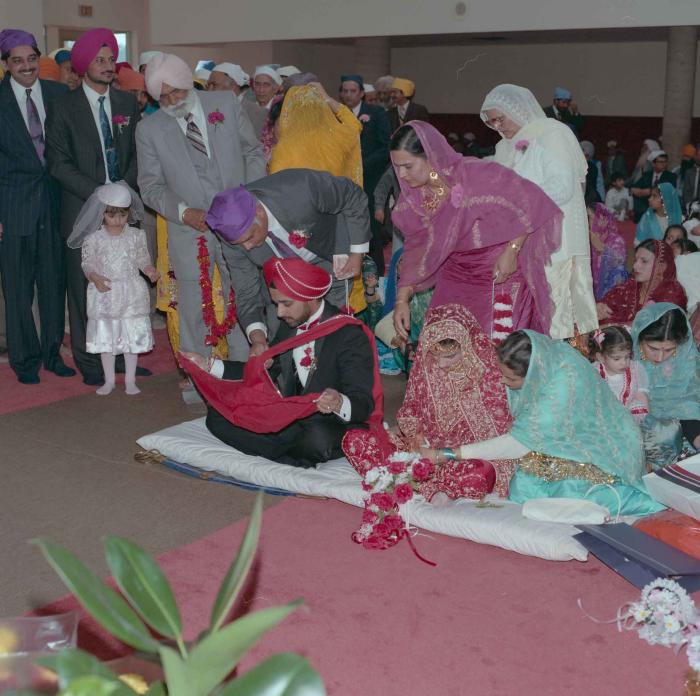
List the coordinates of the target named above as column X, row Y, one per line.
column 547, row 153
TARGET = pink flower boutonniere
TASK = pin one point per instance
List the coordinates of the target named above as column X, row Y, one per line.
column 215, row 118
column 298, row 238
column 522, row 145
column 120, row 121
column 457, row 195
column 364, row 118
column 307, row 360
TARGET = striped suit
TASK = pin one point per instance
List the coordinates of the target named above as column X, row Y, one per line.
column 74, row 153
column 31, row 251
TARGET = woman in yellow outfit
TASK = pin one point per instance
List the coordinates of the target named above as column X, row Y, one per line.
column 317, row 132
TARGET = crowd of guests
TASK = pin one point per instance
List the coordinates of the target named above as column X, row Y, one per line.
column 541, row 361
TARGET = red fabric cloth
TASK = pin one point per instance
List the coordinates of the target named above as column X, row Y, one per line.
column 255, row 403
column 296, row 278
column 627, row 299
column 88, row 46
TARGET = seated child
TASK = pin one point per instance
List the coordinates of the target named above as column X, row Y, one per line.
column 618, row 199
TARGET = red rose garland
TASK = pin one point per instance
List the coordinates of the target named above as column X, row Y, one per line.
column 217, row 329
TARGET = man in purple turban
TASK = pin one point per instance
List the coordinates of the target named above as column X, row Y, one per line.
column 31, row 252
column 90, row 142
column 195, row 145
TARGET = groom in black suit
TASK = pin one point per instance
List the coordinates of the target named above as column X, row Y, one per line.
column 339, row 367
column 295, row 213
column 30, row 248
column 90, row 141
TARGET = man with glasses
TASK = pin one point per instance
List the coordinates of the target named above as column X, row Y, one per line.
column 659, row 174
column 31, row 251
column 196, row 145
column 90, row 142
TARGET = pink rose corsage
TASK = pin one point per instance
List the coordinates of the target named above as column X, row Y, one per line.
column 119, row 120
column 457, row 195
column 522, row 145
column 364, row 118
column 298, row 238
column 215, row 118
column 308, row 360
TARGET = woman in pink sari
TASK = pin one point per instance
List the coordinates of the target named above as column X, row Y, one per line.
column 476, row 231
column 455, row 394
column 608, row 250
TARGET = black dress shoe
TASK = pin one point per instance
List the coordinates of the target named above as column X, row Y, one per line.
column 28, row 378
column 140, row 371
column 61, row 370
column 93, row 380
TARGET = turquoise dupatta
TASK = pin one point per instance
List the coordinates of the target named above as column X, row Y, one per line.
column 674, row 385
column 648, row 226
column 564, row 409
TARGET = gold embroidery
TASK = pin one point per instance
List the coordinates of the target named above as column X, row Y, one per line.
column 552, row 469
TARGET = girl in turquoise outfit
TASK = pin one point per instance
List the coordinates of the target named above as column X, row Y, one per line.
column 663, row 343
column 664, row 210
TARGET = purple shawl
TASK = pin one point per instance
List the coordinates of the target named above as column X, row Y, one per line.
column 487, row 205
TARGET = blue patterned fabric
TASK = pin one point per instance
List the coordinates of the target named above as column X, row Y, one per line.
column 648, row 227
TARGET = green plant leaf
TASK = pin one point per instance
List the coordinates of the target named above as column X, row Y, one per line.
column 177, row 675
column 217, row 654
column 105, row 605
column 239, row 568
column 157, row 689
column 284, row 674
column 96, row 686
column 144, row 585
column 71, row 664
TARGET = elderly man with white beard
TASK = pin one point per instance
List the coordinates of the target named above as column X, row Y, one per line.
column 196, row 145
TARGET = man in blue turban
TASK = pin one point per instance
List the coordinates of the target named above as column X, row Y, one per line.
column 565, row 110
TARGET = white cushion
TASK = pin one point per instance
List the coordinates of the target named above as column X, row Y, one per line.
column 191, row 443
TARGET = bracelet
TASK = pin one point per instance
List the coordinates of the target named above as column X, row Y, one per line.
column 401, row 301
column 448, row 453
column 371, row 294
column 515, row 247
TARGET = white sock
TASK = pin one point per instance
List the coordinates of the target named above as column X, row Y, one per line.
column 130, row 360
column 108, row 369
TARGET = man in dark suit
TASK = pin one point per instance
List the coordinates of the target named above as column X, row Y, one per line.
column 90, row 142
column 405, row 109
column 374, row 142
column 339, row 367
column 565, row 110
column 659, row 174
column 302, row 213
column 31, row 250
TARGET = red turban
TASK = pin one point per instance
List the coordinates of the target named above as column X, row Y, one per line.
column 130, row 79
column 297, row 279
column 88, row 46
column 48, row 69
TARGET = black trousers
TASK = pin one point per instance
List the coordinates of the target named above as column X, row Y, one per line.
column 376, row 242
column 89, row 364
column 304, row 443
column 26, row 261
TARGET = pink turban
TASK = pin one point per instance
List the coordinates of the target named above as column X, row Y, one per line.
column 88, row 46
column 170, row 69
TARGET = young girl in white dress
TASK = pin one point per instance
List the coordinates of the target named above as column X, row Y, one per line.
column 118, row 303
column 612, row 349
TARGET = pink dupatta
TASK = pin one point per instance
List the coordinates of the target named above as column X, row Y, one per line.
column 486, row 205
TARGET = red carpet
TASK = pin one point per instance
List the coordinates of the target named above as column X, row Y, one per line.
column 485, row 621
column 17, row 397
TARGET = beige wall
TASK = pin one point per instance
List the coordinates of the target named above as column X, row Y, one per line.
column 214, row 20
column 607, row 79
column 25, row 14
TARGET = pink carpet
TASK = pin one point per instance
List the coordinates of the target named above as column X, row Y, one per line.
column 18, row 397
column 485, row 621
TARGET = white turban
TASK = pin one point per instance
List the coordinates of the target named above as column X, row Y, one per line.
column 654, row 154
column 202, row 74
column 235, row 72
column 270, row 71
column 147, row 56
column 288, row 71
column 170, row 69
column 367, row 88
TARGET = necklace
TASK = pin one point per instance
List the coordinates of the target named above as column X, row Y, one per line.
column 433, row 193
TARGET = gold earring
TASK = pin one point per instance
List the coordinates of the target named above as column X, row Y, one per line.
column 434, row 176
column 642, row 355
column 675, row 352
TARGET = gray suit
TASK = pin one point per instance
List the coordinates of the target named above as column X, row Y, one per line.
column 171, row 172
column 331, row 209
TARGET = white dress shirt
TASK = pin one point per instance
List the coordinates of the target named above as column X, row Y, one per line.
column 21, row 97
column 356, row 109
column 303, row 371
column 402, row 109
column 93, row 99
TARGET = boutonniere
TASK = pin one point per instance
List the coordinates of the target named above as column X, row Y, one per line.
column 522, row 145
column 364, row 118
column 308, row 360
column 120, row 121
column 299, row 238
column 215, row 118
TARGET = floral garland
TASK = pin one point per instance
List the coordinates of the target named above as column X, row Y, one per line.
column 502, row 317
column 217, row 329
column 387, row 487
